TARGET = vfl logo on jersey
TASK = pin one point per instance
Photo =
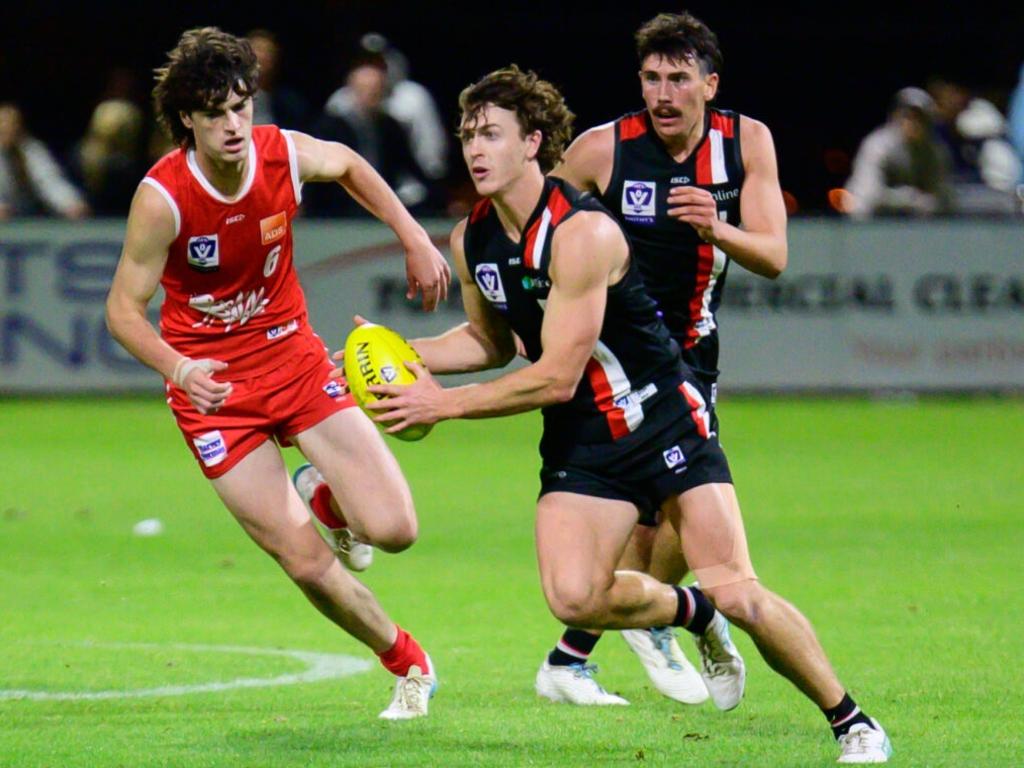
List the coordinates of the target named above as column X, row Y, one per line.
column 489, row 280
column 674, row 457
column 638, row 199
column 273, row 228
column 212, row 448
column 332, row 389
column 203, row 254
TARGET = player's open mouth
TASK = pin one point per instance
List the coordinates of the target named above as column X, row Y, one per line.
column 479, row 173
column 233, row 145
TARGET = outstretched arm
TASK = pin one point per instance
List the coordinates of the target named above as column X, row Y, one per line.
column 425, row 267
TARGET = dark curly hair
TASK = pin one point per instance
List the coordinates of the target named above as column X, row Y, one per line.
column 679, row 37
column 538, row 105
column 201, row 70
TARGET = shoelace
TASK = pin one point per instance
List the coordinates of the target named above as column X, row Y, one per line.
column 857, row 742
column 410, row 693
column 711, row 653
column 586, row 670
column 662, row 639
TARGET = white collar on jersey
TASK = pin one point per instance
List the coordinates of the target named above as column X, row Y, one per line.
column 197, row 172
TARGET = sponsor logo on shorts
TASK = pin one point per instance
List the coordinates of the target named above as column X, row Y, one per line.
column 489, row 280
column 333, row 389
column 203, row 254
column 389, row 373
column 282, row 330
column 212, row 448
column 273, row 228
column 674, row 457
column 638, row 201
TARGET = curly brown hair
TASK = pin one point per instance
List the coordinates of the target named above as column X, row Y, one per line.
column 679, row 37
column 539, row 106
column 200, row 72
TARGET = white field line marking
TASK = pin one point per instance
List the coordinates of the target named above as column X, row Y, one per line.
column 319, row 666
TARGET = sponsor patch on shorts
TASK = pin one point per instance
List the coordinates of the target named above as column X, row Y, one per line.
column 674, row 457
column 282, row 330
column 333, row 389
column 212, row 448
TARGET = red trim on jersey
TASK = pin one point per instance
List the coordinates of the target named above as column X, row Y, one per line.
column 723, row 124
column 695, row 411
column 480, row 210
column 705, row 263
column 703, row 161
column 632, row 127
column 603, row 399
column 530, row 240
column 559, row 206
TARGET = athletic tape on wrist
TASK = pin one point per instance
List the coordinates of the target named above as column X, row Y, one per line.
column 185, row 366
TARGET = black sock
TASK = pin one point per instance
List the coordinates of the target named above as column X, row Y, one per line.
column 573, row 647
column 695, row 611
column 844, row 715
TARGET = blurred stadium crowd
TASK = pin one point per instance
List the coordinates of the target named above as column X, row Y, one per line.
column 944, row 150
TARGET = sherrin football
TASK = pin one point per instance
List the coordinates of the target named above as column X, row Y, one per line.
column 376, row 355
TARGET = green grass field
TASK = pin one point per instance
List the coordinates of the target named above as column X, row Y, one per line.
column 895, row 525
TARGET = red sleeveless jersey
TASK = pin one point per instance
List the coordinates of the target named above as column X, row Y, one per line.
column 231, row 289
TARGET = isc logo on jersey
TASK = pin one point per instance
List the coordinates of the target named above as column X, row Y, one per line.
column 489, row 280
column 203, row 254
column 638, row 201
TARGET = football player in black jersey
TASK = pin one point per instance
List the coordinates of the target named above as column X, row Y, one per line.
column 625, row 434
column 714, row 197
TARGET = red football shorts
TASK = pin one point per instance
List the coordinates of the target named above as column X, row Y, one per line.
column 293, row 396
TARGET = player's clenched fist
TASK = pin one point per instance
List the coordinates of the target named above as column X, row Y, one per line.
column 195, row 377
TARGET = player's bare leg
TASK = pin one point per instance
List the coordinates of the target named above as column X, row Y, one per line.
column 713, row 539
column 259, row 494
column 364, row 478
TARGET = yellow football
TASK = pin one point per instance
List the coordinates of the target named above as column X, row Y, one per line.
column 376, row 355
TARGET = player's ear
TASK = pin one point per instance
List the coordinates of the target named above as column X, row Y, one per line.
column 710, row 86
column 185, row 119
column 533, row 142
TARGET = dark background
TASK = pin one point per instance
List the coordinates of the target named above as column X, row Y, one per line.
column 819, row 74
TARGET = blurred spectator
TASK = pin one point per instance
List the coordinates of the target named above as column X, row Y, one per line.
column 275, row 103
column 375, row 135
column 902, row 168
column 409, row 103
column 985, row 166
column 1015, row 129
column 109, row 161
column 31, row 181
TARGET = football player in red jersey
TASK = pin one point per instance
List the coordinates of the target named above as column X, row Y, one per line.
column 211, row 223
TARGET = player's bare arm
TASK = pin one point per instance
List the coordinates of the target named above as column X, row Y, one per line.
column 589, row 253
column 760, row 246
column 588, row 162
column 486, row 341
column 149, row 234
column 425, row 267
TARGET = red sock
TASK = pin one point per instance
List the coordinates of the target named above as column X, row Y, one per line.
column 321, row 506
column 403, row 654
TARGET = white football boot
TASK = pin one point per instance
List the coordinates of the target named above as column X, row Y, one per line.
column 865, row 744
column 412, row 693
column 354, row 554
column 670, row 671
column 722, row 666
column 574, row 684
